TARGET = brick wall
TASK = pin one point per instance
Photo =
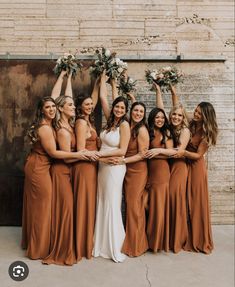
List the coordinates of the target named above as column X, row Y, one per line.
column 195, row 29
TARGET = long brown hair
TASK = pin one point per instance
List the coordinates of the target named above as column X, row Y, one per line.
column 32, row 132
column 79, row 114
column 110, row 121
column 209, row 123
column 135, row 130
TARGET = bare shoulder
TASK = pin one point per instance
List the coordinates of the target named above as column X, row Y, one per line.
column 185, row 131
column 45, row 130
column 63, row 133
column 80, row 123
column 143, row 132
column 124, row 125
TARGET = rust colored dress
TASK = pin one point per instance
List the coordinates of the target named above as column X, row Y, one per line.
column 178, row 210
column 200, row 234
column 85, row 185
column 62, row 249
column 158, row 182
column 36, row 221
column 135, row 242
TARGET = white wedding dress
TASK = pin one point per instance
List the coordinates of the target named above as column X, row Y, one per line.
column 109, row 230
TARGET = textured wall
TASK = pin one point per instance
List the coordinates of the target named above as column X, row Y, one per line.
column 195, row 29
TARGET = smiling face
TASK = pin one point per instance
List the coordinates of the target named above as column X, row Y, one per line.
column 137, row 114
column 68, row 108
column 119, row 110
column 49, row 110
column 87, row 106
column 197, row 115
column 159, row 120
column 177, row 117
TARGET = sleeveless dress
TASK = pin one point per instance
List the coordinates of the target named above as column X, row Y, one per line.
column 36, row 219
column 200, row 233
column 158, row 186
column 178, row 210
column 62, row 251
column 109, row 229
column 85, row 185
column 135, row 242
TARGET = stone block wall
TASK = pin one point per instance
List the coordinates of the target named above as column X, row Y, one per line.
column 201, row 31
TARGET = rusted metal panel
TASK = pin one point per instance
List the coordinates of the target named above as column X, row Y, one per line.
column 22, row 83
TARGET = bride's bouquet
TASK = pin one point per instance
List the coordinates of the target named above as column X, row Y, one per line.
column 164, row 77
column 126, row 85
column 109, row 62
column 69, row 63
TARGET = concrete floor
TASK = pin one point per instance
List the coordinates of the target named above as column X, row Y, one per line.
column 184, row 269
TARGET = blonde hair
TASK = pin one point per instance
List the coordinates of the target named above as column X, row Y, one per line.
column 176, row 131
column 60, row 102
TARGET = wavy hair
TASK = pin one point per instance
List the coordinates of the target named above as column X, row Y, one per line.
column 176, row 131
column 135, row 130
column 60, row 102
column 110, row 121
column 165, row 129
column 209, row 123
column 32, row 132
column 79, row 113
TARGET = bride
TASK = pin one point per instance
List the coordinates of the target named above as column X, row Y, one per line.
column 109, row 229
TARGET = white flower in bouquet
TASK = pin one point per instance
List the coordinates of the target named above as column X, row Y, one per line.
column 164, row 77
column 108, row 61
column 126, row 85
column 67, row 63
column 107, row 53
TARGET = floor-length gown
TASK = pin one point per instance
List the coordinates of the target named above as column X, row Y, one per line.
column 135, row 242
column 158, row 187
column 200, row 233
column 109, row 229
column 178, row 210
column 36, row 220
column 62, row 251
column 85, row 186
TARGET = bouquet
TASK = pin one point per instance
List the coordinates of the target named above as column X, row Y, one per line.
column 109, row 62
column 69, row 63
column 126, row 85
column 164, row 77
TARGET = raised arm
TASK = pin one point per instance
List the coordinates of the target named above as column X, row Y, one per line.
column 159, row 101
column 58, row 85
column 113, row 83
column 68, row 89
column 124, row 141
column 95, row 92
column 175, row 99
column 104, row 96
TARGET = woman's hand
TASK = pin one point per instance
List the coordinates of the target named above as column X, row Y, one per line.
column 152, row 152
column 117, row 160
column 156, row 87
column 132, row 97
column 179, row 154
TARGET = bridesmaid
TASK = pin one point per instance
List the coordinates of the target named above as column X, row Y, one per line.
column 204, row 132
column 178, row 176
column 62, row 249
column 161, row 147
column 36, row 222
column 135, row 242
column 85, row 175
